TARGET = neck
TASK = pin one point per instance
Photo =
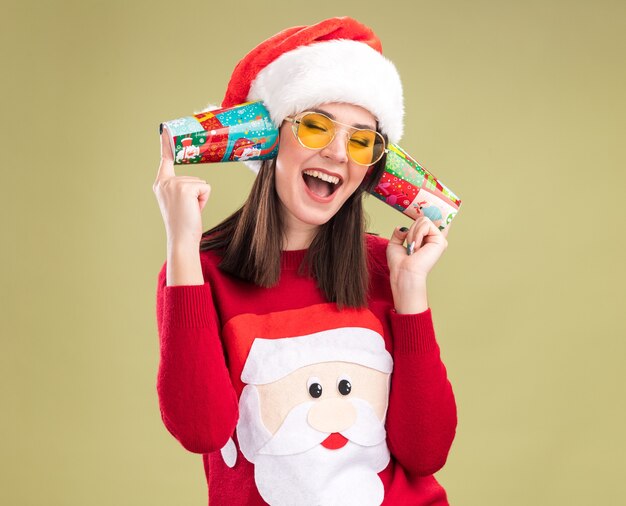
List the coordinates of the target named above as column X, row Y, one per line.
column 297, row 235
column 298, row 239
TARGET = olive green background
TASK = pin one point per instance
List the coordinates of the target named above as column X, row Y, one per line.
column 519, row 107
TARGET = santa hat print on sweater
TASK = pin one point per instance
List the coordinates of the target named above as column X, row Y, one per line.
column 335, row 60
column 271, row 346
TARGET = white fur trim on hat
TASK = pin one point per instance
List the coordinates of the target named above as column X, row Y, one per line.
column 332, row 71
column 272, row 359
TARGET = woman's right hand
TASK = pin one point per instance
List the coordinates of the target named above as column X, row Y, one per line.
column 181, row 200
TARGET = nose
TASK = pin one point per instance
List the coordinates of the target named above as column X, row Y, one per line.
column 332, row 415
column 337, row 150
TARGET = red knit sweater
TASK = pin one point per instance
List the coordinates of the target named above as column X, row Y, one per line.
column 206, row 333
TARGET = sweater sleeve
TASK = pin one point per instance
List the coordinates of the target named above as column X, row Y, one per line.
column 421, row 419
column 197, row 401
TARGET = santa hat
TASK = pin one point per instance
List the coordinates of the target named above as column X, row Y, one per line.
column 335, row 60
column 271, row 346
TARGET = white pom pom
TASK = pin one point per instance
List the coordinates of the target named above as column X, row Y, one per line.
column 229, row 453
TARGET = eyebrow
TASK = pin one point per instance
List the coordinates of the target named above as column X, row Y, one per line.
column 332, row 116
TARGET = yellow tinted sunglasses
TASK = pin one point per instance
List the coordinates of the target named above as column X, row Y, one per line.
column 315, row 130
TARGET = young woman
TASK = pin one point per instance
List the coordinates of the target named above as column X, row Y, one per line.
column 298, row 354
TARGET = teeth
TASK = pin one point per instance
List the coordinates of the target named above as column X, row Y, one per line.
column 322, row 176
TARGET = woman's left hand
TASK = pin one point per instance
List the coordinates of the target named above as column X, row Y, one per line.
column 408, row 272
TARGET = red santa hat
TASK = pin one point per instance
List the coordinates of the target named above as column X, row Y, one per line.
column 265, row 348
column 335, row 60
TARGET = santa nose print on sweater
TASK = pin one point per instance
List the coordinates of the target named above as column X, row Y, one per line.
column 312, row 415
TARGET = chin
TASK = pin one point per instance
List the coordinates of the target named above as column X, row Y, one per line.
column 315, row 218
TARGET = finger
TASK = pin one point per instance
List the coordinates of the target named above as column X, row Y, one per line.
column 420, row 232
column 399, row 235
column 419, row 222
column 414, row 238
column 203, row 195
column 190, row 179
column 166, row 145
column 198, row 189
column 179, row 181
column 166, row 167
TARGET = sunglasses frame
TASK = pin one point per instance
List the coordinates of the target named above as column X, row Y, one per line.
column 297, row 119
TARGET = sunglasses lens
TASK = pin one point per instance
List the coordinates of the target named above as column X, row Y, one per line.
column 366, row 147
column 315, row 131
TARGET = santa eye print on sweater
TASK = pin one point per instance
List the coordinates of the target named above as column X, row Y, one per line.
column 315, row 388
column 344, row 385
column 312, row 415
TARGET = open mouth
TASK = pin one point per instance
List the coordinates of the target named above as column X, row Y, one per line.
column 321, row 184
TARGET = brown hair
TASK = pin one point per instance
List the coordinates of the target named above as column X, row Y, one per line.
column 250, row 241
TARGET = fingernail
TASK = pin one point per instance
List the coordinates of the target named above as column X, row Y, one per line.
column 161, row 128
column 404, row 229
column 410, row 248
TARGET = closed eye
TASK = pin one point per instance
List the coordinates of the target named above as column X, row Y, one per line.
column 363, row 143
column 315, row 126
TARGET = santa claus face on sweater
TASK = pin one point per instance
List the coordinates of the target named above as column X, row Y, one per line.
column 316, row 435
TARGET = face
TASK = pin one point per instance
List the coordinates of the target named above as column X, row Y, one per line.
column 307, row 201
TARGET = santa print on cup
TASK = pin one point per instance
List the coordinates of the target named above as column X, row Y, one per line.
column 313, row 405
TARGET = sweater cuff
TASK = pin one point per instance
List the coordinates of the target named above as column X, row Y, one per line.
column 413, row 333
column 189, row 306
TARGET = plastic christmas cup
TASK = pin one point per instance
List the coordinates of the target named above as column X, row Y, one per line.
column 239, row 133
column 406, row 186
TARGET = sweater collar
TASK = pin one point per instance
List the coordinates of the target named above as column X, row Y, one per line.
column 291, row 259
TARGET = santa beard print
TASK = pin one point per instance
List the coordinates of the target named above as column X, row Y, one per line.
column 292, row 467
